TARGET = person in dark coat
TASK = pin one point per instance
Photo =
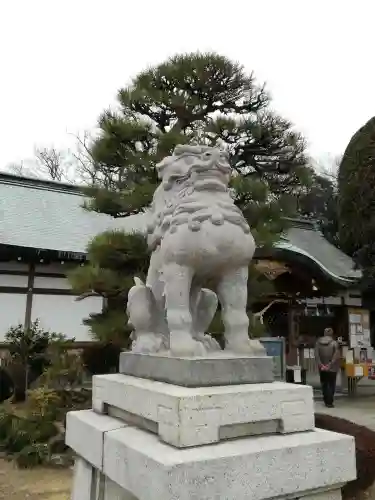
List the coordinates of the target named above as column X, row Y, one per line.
column 327, row 355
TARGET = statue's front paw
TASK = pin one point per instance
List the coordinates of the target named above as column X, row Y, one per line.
column 258, row 347
column 147, row 343
column 184, row 345
column 246, row 346
column 208, row 341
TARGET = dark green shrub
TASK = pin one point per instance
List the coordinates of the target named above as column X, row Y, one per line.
column 32, row 455
column 364, row 449
column 6, row 420
column 99, row 359
column 44, row 402
column 25, row 431
column 6, row 385
column 17, row 372
column 33, row 436
column 66, row 370
column 28, row 348
column 57, row 444
column 78, row 399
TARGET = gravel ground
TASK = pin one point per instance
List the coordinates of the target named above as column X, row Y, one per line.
column 34, row 484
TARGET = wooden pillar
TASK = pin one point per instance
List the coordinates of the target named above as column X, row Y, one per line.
column 293, row 334
column 29, row 296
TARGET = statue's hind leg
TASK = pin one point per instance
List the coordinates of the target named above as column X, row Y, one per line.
column 204, row 306
column 232, row 292
column 157, row 287
column 177, row 284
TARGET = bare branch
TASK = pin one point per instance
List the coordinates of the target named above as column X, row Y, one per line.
column 22, row 170
column 16, row 168
column 86, row 295
column 261, row 313
column 51, row 162
column 327, row 167
column 85, row 165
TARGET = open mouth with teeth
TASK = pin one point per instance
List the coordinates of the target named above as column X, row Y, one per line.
column 210, row 179
column 202, row 178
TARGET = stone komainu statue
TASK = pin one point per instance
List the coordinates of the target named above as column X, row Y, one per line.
column 195, row 233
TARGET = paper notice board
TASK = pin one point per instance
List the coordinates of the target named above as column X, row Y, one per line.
column 359, row 327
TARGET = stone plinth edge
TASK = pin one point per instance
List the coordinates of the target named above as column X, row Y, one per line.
column 219, row 369
column 193, row 416
column 261, row 468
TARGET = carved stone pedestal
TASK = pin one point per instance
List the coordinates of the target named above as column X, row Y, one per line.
column 151, row 440
column 219, row 368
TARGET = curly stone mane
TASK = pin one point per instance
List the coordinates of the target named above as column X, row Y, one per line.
column 193, row 189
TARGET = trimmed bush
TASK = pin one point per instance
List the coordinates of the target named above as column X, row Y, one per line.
column 6, row 420
column 25, row 431
column 27, row 440
column 34, row 434
column 66, row 370
column 364, row 449
column 43, row 402
column 32, row 455
column 26, row 437
column 29, row 350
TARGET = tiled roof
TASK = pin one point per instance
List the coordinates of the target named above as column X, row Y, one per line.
column 49, row 215
column 305, row 239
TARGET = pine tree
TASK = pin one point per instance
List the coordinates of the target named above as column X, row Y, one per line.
column 356, row 187
column 190, row 98
column 318, row 201
column 114, row 258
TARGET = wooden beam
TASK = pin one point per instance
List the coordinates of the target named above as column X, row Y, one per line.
column 37, row 291
column 29, row 296
column 9, row 272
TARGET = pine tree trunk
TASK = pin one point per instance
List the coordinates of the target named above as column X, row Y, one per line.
column 26, row 378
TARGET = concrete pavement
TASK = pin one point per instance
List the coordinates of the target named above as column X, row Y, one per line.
column 361, row 411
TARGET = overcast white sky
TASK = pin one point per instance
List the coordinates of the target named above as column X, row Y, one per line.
column 62, row 61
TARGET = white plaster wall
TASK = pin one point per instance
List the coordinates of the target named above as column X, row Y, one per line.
column 353, row 301
column 14, row 281
column 12, row 311
column 55, row 268
column 14, row 266
column 62, row 314
column 51, row 282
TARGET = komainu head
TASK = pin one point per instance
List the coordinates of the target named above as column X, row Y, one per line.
column 201, row 167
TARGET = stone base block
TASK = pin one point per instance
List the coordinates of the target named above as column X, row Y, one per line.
column 109, row 490
column 136, row 465
column 184, row 417
column 83, row 481
column 220, row 368
column 90, row 484
column 89, row 427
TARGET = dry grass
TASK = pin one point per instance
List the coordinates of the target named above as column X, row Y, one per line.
column 34, row 484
